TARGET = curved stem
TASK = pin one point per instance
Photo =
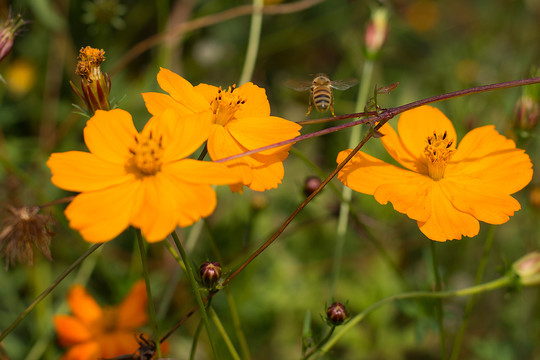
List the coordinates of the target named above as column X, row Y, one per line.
column 439, row 305
column 151, row 309
column 253, row 43
column 48, row 290
column 489, row 286
column 195, row 288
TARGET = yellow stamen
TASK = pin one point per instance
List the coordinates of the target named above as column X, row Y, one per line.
column 147, row 155
column 225, row 105
column 89, row 63
column 438, row 152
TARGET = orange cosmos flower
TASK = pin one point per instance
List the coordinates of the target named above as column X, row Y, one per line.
column 139, row 179
column 241, row 122
column 447, row 190
column 94, row 332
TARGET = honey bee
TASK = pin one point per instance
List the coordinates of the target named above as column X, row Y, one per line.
column 320, row 91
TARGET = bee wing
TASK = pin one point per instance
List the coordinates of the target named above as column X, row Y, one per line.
column 298, row 85
column 343, row 84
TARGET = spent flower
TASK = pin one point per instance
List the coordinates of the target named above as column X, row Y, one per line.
column 241, row 122
column 95, row 85
column 139, row 179
column 446, row 189
column 95, row 332
column 22, row 229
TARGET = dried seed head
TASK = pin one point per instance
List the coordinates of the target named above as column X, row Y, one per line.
column 20, row 229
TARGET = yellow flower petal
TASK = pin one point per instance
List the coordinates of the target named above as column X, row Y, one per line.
column 132, row 311
column 71, row 330
column 83, row 306
column 85, row 351
column 446, row 222
column 185, row 133
column 267, row 177
column 156, row 215
column 156, row 103
column 182, row 91
column 202, row 172
column 254, row 133
column 108, row 135
column 492, row 207
column 80, row 171
column 102, row 215
column 209, row 92
column 490, row 160
column 118, row 344
column 256, row 104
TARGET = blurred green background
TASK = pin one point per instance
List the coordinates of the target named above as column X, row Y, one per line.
column 432, row 47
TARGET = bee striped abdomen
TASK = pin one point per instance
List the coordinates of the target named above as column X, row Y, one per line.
column 322, row 98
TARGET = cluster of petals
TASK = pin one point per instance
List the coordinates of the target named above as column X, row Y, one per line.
column 241, row 122
column 140, row 179
column 446, row 189
column 95, row 332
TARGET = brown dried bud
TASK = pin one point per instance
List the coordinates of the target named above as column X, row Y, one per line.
column 95, row 85
column 311, row 184
column 21, row 228
column 8, row 30
column 336, row 314
column 210, row 272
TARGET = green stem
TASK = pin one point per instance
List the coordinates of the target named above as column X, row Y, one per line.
column 195, row 288
column 321, row 343
column 489, row 286
column 344, row 210
column 195, row 340
column 223, row 333
column 470, row 303
column 151, row 309
column 439, row 305
column 48, row 290
column 253, row 42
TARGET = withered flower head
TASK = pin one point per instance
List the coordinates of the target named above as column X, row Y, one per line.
column 20, row 228
column 8, row 30
column 95, row 85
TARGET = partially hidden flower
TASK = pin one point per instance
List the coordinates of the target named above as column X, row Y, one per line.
column 241, row 122
column 94, row 332
column 95, row 85
column 20, row 230
column 139, row 179
column 528, row 269
column 447, row 190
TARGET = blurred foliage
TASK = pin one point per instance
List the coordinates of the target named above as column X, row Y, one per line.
column 432, row 47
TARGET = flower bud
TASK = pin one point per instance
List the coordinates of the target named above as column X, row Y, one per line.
column 336, row 314
column 8, row 30
column 528, row 269
column 95, row 85
column 311, row 184
column 376, row 32
column 210, row 272
column 527, row 109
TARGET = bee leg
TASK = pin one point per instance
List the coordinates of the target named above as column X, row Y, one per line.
column 310, row 104
column 309, row 110
column 332, row 107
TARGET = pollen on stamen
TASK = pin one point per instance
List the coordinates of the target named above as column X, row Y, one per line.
column 438, row 152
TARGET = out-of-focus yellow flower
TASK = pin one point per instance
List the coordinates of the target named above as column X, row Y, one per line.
column 241, row 122
column 95, row 85
column 140, row 179
column 446, row 190
column 20, row 77
column 95, row 332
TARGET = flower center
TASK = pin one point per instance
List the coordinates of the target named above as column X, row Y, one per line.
column 147, row 154
column 438, row 153
column 225, row 105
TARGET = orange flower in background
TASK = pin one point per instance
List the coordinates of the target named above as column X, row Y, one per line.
column 241, row 122
column 447, row 190
column 95, row 332
column 140, row 179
